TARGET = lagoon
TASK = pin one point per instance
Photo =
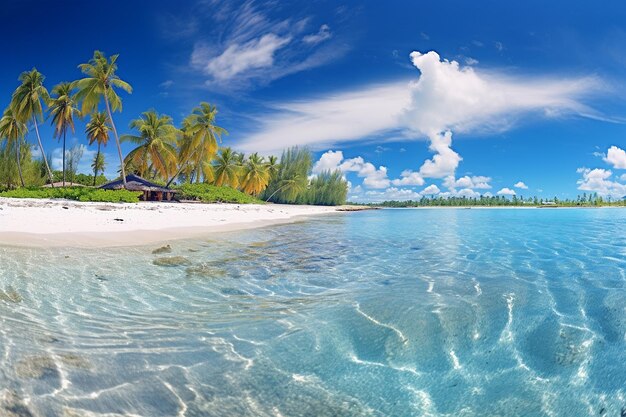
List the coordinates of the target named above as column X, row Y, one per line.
column 385, row 313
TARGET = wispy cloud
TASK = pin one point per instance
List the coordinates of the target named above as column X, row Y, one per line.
column 254, row 47
column 446, row 98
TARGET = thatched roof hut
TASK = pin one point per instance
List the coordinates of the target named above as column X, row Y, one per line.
column 151, row 191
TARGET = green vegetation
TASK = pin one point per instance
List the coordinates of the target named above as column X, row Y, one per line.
column 327, row 189
column 164, row 153
column 585, row 200
column 75, row 193
column 208, row 193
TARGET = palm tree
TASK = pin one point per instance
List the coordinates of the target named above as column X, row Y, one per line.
column 290, row 187
column 101, row 82
column 256, row 175
column 62, row 110
column 98, row 164
column 98, row 131
column 13, row 130
column 201, row 143
column 272, row 166
column 227, row 168
column 26, row 104
column 156, row 150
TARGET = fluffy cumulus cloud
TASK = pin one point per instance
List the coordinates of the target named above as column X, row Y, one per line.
column 372, row 177
column 392, row 193
column 446, row 97
column 473, row 182
column 599, row 181
column 408, row 177
column 432, row 189
column 520, row 185
column 616, row 157
column 506, row 191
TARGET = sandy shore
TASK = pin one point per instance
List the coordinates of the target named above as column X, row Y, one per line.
column 30, row 222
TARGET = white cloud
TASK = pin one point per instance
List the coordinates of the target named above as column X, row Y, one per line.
column 598, row 180
column 445, row 161
column 408, row 177
column 616, row 157
column 520, row 185
column 322, row 35
column 474, row 182
column 372, row 177
column 392, row 193
column 248, row 46
column 445, row 98
column 432, row 189
column 506, row 191
column 471, row 61
column 238, row 58
column 329, row 161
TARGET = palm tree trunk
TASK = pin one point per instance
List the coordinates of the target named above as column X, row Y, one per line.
column 19, row 164
column 277, row 190
column 95, row 166
column 117, row 139
column 64, row 157
column 43, row 153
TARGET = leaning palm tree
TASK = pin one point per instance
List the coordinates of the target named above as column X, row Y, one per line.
column 290, row 187
column 98, row 131
column 100, row 83
column 13, row 130
column 156, row 150
column 255, row 176
column 63, row 110
column 226, row 168
column 201, row 144
column 27, row 106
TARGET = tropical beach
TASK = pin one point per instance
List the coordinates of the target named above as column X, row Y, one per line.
column 294, row 209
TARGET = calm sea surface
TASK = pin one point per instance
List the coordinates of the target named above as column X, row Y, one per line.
column 384, row 313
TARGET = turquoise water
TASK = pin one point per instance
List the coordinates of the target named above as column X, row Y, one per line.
column 382, row 313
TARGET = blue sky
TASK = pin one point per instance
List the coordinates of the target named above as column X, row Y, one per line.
column 407, row 98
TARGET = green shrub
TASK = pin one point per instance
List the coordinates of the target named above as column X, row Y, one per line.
column 75, row 193
column 213, row 194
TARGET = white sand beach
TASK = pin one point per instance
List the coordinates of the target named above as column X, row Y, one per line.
column 31, row 222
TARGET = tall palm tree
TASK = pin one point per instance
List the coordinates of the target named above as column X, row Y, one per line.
column 227, row 168
column 100, row 83
column 255, row 176
column 13, row 130
column 63, row 109
column 272, row 166
column 98, row 164
column 201, row 144
column 98, row 131
column 27, row 106
column 156, row 150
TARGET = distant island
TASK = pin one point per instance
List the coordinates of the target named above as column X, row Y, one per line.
column 584, row 200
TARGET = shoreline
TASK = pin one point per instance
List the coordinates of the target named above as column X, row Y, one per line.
column 63, row 223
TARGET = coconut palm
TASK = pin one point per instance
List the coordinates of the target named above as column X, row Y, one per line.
column 226, row 168
column 13, row 130
column 27, row 105
column 201, row 144
column 98, row 131
column 98, row 164
column 63, row 110
column 255, row 175
column 290, row 187
column 272, row 166
column 156, row 150
column 100, row 83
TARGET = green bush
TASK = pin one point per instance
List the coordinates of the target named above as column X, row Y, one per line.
column 214, row 194
column 75, row 193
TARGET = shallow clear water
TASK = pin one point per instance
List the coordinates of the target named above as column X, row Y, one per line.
column 393, row 312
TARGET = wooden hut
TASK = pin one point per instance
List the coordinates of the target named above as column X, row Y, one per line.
column 150, row 190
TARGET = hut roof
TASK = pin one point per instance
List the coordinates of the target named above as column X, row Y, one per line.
column 136, row 183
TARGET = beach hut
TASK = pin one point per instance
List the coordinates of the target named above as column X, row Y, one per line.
column 150, row 190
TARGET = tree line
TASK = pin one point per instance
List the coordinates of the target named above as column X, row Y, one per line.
column 584, row 200
column 162, row 152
